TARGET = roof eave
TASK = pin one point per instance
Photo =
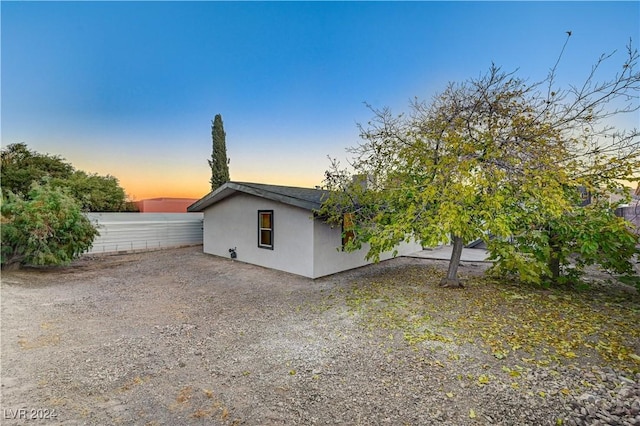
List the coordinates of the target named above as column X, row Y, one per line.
column 230, row 188
column 220, row 193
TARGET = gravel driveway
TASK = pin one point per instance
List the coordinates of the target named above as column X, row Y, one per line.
column 179, row 337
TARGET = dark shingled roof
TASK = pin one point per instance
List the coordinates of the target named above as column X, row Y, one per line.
column 306, row 198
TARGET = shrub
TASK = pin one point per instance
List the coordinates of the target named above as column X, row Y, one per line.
column 47, row 227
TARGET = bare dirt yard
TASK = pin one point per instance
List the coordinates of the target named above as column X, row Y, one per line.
column 183, row 338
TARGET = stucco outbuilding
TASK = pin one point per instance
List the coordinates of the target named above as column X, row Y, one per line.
column 275, row 227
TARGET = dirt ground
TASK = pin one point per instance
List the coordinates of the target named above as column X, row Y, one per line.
column 180, row 337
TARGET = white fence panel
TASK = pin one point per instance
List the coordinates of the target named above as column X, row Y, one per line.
column 145, row 231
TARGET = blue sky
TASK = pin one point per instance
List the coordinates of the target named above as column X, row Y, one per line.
column 130, row 88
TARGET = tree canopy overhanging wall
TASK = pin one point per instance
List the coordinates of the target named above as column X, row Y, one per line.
column 501, row 159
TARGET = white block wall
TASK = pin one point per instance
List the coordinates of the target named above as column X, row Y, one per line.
column 145, row 231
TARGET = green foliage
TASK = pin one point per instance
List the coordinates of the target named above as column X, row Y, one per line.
column 95, row 193
column 45, row 228
column 558, row 251
column 594, row 236
column 442, row 170
column 219, row 162
column 493, row 158
column 21, row 168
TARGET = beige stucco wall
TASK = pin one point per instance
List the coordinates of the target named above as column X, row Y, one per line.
column 233, row 222
column 329, row 259
column 302, row 245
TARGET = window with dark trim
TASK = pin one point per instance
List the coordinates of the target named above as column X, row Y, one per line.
column 265, row 229
column 348, row 228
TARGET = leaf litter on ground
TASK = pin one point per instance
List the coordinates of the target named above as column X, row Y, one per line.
column 520, row 325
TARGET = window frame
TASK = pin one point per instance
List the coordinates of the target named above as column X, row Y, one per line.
column 261, row 229
column 348, row 234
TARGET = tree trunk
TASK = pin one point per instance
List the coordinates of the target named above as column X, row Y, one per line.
column 452, row 280
column 554, row 257
column 554, row 265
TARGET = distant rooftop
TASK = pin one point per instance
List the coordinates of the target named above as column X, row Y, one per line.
column 164, row 205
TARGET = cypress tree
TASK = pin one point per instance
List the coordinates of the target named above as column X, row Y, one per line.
column 219, row 162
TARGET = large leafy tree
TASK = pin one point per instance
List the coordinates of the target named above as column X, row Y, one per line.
column 494, row 157
column 22, row 167
column 96, row 193
column 219, row 162
column 47, row 227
